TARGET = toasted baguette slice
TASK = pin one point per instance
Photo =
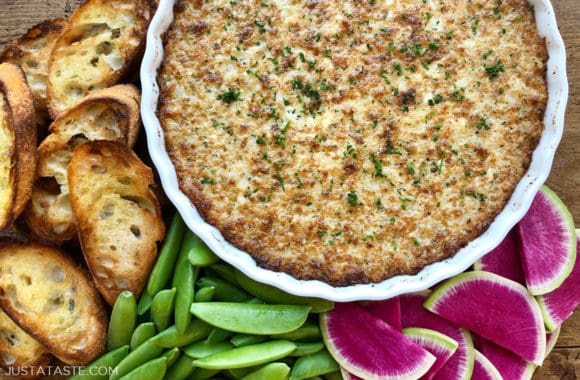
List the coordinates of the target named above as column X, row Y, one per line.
column 51, row 298
column 118, row 215
column 101, row 43
column 108, row 114
column 32, row 52
column 17, row 143
column 18, row 349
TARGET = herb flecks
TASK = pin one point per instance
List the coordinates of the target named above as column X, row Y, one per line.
column 493, row 71
column 352, row 198
column 479, row 196
column 378, row 166
column 208, row 181
column 435, row 100
column 229, row 96
column 482, row 124
column 308, row 90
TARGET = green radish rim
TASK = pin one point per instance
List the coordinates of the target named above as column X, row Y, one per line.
column 549, row 322
column 470, row 353
column 568, row 222
column 434, row 336
column 488, row 366
column 551, row 341
column 444, row 289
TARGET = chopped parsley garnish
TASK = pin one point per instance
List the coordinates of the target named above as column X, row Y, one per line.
column 260, row 25
column 390, row 149
column 307, row 90
column 280, row 136
column 398, row 68
column 208, row 181
column 457, row 95
column 433, row 45
column 441, row 163
column 384, row 76
column 494, row 70
column 279, row 178
column 229, row 96
column 352, row 198
column 436, row 100
column 378, row 166
column 479, row 196
column 482, row 124
column 261, row 139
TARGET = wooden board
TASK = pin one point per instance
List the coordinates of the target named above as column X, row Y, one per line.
column 16, row 16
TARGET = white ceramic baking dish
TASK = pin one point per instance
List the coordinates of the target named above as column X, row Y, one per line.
column 430, row 275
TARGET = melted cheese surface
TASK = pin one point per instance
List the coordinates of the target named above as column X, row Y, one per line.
column 351, row 141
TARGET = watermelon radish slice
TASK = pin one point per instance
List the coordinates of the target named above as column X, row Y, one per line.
column 547, row 243
column 559, row 304
column 551, row 339
column 413, row 314
column 441, row 346
column 388, row 310
column 368, row 347
column 504, row 260
column 484, row 369
column 495, row 308
column 509, row 365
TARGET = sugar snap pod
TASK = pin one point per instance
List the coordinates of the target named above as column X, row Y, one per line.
column 122, row 321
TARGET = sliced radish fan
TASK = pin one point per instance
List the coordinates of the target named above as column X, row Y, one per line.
column 441, row 346
column 369, row 348
column 509, row 365
column 413, row 314
column 484, row 369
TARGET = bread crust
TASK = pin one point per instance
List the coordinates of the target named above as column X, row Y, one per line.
column 117, row 214
column 18, row 349
column 20, row 111
column 111, row 113
column 32, row 52
column 110, row 38
column 52, row 299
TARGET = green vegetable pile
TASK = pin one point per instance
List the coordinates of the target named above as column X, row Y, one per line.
column 200, row 318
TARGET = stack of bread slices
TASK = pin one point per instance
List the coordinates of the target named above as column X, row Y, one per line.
column 70, row 182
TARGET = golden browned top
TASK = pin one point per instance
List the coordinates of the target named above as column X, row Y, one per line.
column 351, row 141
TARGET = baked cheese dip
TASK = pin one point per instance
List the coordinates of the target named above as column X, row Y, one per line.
column 351, row 141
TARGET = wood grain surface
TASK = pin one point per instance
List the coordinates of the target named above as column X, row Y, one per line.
column 16, row 16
